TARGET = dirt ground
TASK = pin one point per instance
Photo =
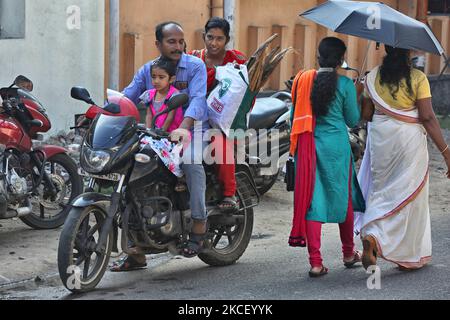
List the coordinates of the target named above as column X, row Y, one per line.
column 27, row 254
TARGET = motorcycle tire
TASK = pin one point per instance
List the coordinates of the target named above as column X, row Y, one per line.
column 220, row 258
column 34, row 220
column 68, row 242
column 268, row 183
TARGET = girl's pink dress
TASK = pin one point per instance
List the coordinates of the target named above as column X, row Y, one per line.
column 178, row 119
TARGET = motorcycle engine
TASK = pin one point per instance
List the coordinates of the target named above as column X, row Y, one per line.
column 17, row 185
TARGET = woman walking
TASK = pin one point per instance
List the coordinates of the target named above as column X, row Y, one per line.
column 394, row 174
column 326, row 189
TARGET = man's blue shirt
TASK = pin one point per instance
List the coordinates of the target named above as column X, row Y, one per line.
column 191, row 78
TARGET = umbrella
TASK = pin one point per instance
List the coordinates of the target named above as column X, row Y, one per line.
column 375, row 21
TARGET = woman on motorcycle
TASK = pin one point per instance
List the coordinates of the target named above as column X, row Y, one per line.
column 216, row 37
column 326, row 189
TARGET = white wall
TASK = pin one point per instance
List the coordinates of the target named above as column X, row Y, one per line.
column 57, row 58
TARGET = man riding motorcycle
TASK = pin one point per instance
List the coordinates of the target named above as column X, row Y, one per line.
column 191, row 78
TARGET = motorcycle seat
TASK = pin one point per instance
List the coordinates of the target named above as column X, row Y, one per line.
column 266, row 112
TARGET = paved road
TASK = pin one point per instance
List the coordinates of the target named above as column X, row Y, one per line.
column 268, row 270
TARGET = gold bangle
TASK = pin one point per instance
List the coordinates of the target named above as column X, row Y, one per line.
column 446, row 148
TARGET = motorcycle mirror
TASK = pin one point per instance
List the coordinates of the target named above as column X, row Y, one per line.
column 173, row 103
column 177, row 101
column 80, row 93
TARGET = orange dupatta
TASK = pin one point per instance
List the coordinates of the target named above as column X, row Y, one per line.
column 303, row 114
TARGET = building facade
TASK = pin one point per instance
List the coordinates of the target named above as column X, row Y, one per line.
column 252, row 22
column 57, row 44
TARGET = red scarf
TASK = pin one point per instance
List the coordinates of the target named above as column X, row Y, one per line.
column 230, row 57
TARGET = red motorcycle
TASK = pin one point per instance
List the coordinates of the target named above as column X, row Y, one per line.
column 37, row 183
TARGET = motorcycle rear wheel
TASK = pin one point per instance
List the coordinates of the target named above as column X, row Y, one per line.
column 78, row 240
column 238, row 238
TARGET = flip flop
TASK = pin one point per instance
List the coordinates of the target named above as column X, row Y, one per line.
column 194, row 245
column 356, row 258
column 127, row 263
column 228, row 203
column 322, row 272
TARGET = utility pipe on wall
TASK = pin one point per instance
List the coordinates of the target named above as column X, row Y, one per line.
column 114, row 42
column 229, row 13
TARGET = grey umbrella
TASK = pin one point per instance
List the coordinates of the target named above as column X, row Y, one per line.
column 375, row 21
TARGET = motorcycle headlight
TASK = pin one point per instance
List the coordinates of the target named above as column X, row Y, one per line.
column 94, row 161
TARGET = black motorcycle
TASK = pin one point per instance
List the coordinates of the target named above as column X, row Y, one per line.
column 147, row 204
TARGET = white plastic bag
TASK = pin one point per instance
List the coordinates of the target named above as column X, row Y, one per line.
column 224, row 101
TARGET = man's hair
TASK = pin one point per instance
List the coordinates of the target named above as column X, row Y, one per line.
column 159, row 33
column 21, row 79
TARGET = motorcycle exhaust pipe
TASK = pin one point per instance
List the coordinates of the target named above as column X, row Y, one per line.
column 24, row 211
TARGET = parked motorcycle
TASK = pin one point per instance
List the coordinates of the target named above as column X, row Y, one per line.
column 37, row 183
column 147, row 204
column 270, row 117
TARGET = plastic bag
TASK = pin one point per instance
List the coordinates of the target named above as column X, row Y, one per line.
column 225, row 100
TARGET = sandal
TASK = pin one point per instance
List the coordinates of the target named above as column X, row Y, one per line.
column 356, row 258
column 369, row 257
column 127, row 263
column 405, row 269
column 321, row 273
column 194, row 245
column 228, row 204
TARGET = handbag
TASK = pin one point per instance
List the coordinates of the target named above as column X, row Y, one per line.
column 289, row 178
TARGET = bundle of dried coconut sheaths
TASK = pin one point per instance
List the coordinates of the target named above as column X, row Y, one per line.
column 260, row 67
column 263, row 62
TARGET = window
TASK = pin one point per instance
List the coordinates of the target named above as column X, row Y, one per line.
column 439, row 7
column 12, row 19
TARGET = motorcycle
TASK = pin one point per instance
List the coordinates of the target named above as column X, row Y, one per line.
column 147, row 204
column 270, row 118
column 37, row 182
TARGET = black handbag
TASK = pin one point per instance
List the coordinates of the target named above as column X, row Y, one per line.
column 289, row 178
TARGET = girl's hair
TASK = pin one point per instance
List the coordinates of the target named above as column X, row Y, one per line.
column 165, row 64
column 331, row 54
column 219, row 23
column 396, row 67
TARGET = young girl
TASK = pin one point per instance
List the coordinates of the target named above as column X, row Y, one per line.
column 163, row 73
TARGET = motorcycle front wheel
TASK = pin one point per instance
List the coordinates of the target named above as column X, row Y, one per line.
column 80, row 267
column 48, row 212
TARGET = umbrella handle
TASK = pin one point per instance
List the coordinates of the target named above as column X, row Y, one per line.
column 369, row 43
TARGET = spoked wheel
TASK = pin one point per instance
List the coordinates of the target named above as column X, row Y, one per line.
column 227, row 242
column 80, row 267
column 50, row 211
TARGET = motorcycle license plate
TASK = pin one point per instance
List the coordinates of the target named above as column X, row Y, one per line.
column 109, row 177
